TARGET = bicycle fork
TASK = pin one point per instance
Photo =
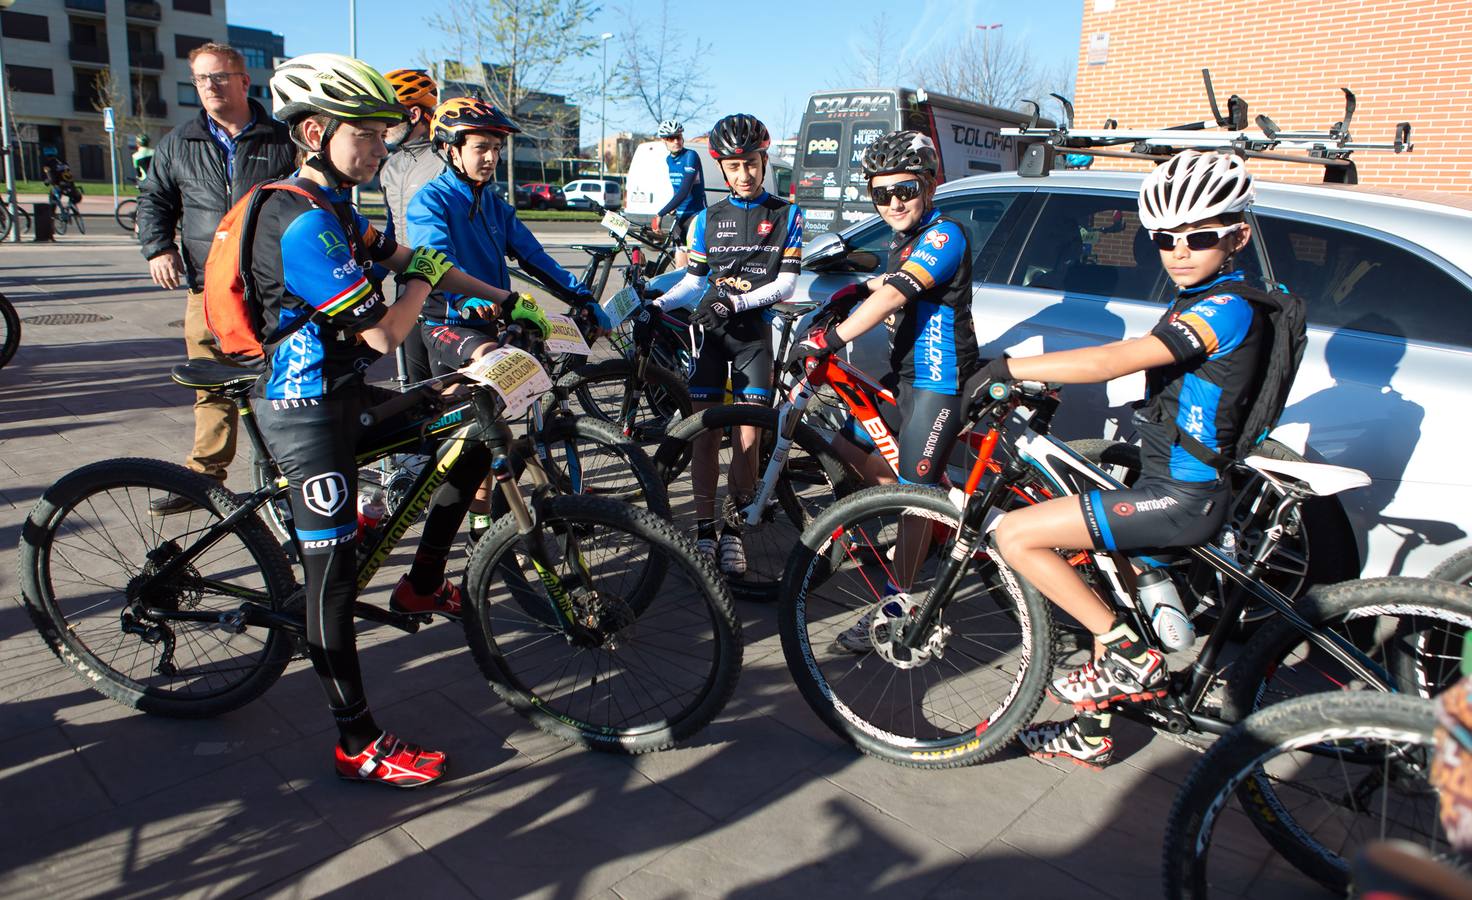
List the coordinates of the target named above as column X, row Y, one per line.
column 789, row 416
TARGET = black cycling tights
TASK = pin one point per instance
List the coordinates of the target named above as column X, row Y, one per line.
column 312, row 441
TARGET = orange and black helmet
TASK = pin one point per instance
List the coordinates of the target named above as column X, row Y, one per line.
column 414, row 87
column 456, row 118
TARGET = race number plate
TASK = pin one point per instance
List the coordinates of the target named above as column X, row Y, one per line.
column 566, row 336
column 621, row 305
column 514, row 374
column 616, row 223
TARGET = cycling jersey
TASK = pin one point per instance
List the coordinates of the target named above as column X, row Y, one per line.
column 1217, row 342
column 688, row 180
column 306, row 264
column 934, row 344
column 477, row 238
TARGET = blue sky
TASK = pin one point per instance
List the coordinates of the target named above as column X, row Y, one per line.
column 789, row 56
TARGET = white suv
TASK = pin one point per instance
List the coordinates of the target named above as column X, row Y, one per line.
column 584, row 193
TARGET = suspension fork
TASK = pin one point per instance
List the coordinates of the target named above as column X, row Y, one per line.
column 789, row 416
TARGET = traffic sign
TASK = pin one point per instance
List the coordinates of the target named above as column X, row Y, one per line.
column 107, row 122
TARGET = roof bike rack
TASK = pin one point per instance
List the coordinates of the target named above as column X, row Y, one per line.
column 1328, row 149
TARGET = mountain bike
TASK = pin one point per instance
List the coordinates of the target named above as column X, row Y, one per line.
column 9, row 330
column 591, row 618
column 1319, row 778
column 24, row 217
column 950, row 679
column 66, row 214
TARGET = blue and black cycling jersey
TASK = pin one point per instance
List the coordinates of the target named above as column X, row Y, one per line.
column 477, row 237
column 741, row 245
column 934, row 340
column 307, row 262
column 688, row 180
column 1217, row 341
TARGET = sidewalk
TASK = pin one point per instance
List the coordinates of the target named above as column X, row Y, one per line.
column 98, row 800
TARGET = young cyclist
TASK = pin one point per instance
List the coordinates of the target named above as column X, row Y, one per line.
column 745, row 252
column 142, row 158
column 456, row 214
column 1202, row 363
column 688, row 180
column 324, row 322
column 927, row 287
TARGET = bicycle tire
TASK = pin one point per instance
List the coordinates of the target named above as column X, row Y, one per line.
column 69, row 503
column 126, row 215
column 1235, row 766
column 631, row 476
column 665, row 396
column 10, row 339
column 1456, row 568
column 1425, row 612
column 821, row 676
column 817, row 466
column 657, row 579
column 80, row 220
column 5, row 221
column 58, row 221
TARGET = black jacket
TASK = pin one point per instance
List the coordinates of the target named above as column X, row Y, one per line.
column 188, row 181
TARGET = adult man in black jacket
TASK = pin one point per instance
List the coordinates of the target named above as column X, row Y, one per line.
column 200, row 169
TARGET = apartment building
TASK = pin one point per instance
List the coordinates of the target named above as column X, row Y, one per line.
column 547, row 148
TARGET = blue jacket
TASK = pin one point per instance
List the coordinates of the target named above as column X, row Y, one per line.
column 439, row 217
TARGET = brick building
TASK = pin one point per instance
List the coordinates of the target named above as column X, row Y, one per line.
column 1406, row 60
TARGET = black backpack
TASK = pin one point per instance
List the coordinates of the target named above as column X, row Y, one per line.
column 1287, row 326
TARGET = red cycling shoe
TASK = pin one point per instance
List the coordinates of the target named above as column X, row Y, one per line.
column 445, row 601
column 390, row 761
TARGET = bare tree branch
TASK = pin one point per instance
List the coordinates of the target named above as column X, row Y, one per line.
column 988, row 68
column 871, row 58
column 660, row 72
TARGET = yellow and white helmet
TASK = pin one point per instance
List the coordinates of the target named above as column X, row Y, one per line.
column 331, row 84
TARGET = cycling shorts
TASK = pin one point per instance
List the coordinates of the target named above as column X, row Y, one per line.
column 449, row 347
column 743, row 352
column 926, row 425
column 1157, row 513
column 680, row 230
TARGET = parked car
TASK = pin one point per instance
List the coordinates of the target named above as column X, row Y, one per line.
column 585, row 192
column 539, row 195
column 1062, row 262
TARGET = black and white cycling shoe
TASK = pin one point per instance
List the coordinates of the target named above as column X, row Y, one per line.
column 863, row 634
column 706, row 547
column 1081, row 740
column 1112, row 678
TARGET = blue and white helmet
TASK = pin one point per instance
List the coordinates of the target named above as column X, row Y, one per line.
column 670, row 128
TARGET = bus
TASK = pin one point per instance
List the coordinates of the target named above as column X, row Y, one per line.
column 827, row 180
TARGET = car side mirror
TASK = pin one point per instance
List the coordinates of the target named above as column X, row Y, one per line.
column 828, row 253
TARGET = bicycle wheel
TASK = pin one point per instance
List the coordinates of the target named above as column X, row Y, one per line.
column 666, row 650
column 585, row 456
column 1455, row 568
column 127, row 215
column 4, row 221
column 9, row 330
column 1319, row 777
column 59, row 220
column 80, row 220
column 978, row 677
column 87, row 545
column 599, row 388
column 1412, row 627
column 810, row 479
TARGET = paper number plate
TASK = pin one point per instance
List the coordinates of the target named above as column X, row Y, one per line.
column 514, row 374
column 616, row 223
column 566, row 337
column 621, row 305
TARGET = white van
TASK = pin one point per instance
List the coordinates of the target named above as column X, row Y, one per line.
column 648, row 188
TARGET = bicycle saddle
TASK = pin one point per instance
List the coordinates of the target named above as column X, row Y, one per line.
column 598, row 250
column 1316, row 479
column 208, row 375
column 794, row 309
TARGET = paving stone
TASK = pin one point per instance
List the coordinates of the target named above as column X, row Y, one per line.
column 389, row 865
column 42, row 774
column 1001, row 870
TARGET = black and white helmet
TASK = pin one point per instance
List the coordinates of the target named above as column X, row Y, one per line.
column 901, row 151
column 1192, row 187
column 670, row 128
column 738, row 135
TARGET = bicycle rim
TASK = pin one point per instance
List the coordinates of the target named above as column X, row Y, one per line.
column 9, row 331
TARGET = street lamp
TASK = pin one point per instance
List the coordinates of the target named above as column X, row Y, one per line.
column 8, row 145
column 603, row 116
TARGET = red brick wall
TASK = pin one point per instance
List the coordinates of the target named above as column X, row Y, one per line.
column 1406, row 60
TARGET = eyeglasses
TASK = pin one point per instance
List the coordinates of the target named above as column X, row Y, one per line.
column 218, row 79
column 1196, row 239
column 905, row 190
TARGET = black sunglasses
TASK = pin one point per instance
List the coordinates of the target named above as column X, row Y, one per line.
column 905, row 190
column 1200, row 239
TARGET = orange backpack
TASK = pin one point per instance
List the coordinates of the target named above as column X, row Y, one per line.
column 231, row 310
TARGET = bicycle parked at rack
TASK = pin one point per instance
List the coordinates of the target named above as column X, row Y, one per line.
column 570, row 600
column 950, row 680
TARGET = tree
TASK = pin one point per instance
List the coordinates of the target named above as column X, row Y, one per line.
column 127, row 117
column 514, row 50
column 662, row 74
column 988, row 68
column 871, row 62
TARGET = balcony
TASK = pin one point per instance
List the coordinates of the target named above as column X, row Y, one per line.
column 154, row 109
column 97, row 7
column 145, row 59
column 85, row 102
column 144, row 9
column 88, row 53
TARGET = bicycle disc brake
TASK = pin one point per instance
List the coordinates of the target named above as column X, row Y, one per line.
column 884, row 632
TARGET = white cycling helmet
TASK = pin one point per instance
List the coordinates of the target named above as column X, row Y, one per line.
column 1192, row 187
column 670, row 128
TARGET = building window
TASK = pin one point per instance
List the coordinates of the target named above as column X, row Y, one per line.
column 255, row 58
column 188, row 96
column 257, row 91
column 183, row 43
column 25, row 27
column 30, row 79
column 195, row 6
